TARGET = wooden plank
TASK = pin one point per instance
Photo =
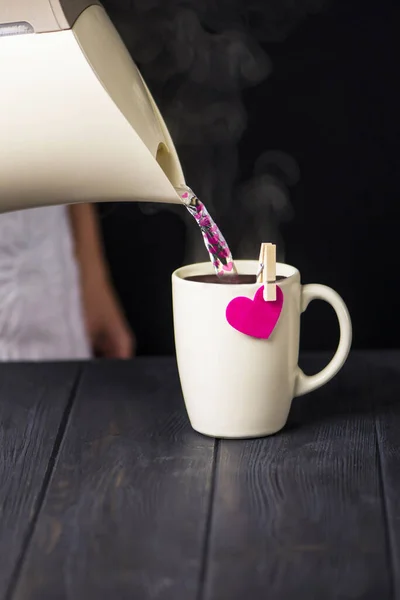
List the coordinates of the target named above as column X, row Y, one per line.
column 300, row 514
column 126, row 510
column 385, row 392
column 33, row 402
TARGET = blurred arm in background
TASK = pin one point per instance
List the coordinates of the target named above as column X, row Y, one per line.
column 105, row 321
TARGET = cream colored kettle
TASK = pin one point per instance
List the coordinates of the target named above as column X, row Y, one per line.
column 77, row 121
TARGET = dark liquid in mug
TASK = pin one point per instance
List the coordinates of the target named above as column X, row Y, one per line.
column 239, row 279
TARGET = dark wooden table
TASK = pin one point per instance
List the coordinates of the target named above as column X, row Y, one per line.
column 107, row 493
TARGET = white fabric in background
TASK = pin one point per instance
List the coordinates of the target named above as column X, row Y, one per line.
column 40, row 307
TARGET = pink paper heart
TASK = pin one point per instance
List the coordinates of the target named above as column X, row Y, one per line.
column 185, row 195
column 256, row 318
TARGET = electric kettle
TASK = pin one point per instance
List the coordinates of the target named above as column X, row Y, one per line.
column 77, row 121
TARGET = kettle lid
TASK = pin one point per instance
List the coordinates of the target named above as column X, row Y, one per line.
column 41, row 16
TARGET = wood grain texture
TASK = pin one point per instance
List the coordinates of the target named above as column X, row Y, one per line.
column 384, row 389
column 300, row 515
column 125, row 514
column 33, row 399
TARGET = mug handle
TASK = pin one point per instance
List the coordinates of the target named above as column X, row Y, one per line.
column 305, row 383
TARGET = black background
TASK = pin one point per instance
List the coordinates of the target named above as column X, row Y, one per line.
column 333, row 94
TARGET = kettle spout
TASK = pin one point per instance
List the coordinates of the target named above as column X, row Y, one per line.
column 170, row 165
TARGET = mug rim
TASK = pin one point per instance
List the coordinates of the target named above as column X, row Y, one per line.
column 206, row 268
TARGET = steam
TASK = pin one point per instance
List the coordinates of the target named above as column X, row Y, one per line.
column 197, row 58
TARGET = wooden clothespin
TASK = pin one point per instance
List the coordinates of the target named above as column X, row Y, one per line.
column 267, row 271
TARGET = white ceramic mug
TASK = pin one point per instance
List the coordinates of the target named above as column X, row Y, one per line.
column 234, row 385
